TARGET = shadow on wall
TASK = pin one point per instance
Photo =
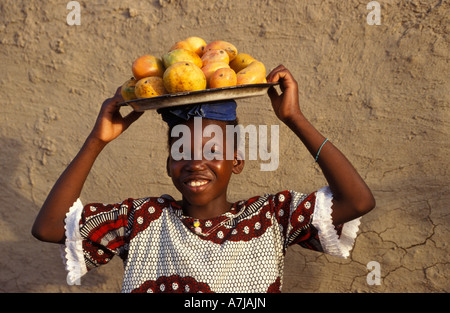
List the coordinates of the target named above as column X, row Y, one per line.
column 26, row 264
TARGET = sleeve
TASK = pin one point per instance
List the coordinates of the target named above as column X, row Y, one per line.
column 94, row 234
column 334, row 242
column 305, row 220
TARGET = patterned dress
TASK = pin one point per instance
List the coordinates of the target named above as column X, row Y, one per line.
column 163, row 250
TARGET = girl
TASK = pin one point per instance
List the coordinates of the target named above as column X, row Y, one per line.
column 204, row 243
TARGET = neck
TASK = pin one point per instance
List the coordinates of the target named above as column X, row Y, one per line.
column 207, row 211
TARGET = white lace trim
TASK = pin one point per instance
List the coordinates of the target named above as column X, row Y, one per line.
column 331, row 243
column 72, row 251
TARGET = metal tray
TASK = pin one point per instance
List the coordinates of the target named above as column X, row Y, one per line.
column 201, row 96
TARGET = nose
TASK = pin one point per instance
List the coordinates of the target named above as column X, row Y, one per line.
column 195, row 165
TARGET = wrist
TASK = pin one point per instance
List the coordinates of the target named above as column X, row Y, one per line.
column 295, row 121
column 94, row 144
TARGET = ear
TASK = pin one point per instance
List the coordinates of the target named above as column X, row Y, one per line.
column 238, row 163
column 167, row 166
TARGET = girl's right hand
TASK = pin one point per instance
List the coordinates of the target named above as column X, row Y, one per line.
column 110, row 123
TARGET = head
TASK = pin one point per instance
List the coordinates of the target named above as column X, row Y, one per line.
column 202, row 158
column 202, row 169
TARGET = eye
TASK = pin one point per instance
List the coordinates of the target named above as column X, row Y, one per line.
column 213, row 153
column 181, row 154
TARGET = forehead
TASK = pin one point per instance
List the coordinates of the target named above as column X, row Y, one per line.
column 200, row 128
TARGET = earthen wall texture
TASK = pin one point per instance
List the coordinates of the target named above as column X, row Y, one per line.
column 380, row 93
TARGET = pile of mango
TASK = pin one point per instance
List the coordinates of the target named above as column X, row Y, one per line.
column 192, row 65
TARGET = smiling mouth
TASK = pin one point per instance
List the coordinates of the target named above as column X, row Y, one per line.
column 197, row 183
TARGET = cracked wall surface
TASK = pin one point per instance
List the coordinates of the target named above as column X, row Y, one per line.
column 379, row 92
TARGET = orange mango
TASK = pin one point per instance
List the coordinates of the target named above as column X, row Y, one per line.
column 219, row 44
column 147, row 65
column 214, row 56
column 180, row 45
column 223, row 77
column 210, row 68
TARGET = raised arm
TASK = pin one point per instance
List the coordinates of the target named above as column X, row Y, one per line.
column 49, row 224
column 351, row 196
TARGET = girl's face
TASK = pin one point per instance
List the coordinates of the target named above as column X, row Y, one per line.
column 204, row 182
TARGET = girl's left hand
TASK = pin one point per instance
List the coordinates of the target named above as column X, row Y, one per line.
column 286, row 105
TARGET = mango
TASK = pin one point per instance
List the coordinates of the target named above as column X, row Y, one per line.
column 219, row 44
column 223, row 77
column 210, row 68
column 181, row 55
column 241, row 61
column 149, row 87
column 127, row 89
column 147, row 65
column 181, row 45
column 255, row 73
column 213, row 56
column 184, row 76
column 194, row 44
column 197, row 45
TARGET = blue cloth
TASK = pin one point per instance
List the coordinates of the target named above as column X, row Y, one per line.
column 219, row 110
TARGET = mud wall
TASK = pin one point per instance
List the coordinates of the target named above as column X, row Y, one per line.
column 379, row 92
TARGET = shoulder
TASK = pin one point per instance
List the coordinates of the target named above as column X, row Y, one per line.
column 160, row 202
column 146, row 211
column 127, row 206
column 280, row 198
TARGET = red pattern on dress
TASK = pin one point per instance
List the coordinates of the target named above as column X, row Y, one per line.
column 275, row 287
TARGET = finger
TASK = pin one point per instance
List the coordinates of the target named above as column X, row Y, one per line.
column 118, row 95
column 286, row 79
column 110, row 104
column 273, row 95
column 272, row 77
column 131, row 118
column 278, row 76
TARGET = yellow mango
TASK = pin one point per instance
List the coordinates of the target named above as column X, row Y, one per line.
column 241, row 61
column 197, row 44
column 127, row 89
column 149, row 87
column 255, row 73
column 181, row 55
column 184, row 76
